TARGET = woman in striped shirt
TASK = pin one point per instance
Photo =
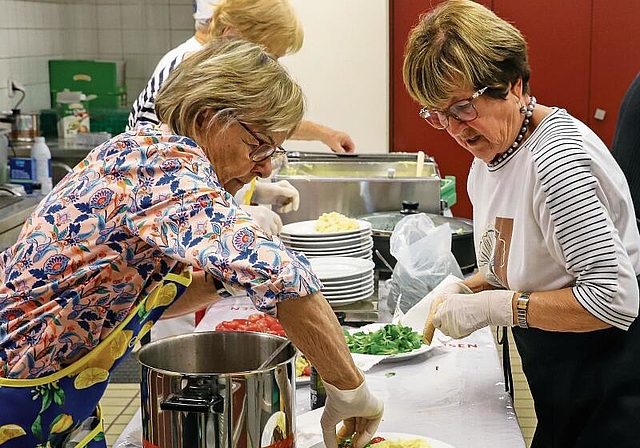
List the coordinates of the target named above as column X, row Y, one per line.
column 271, row 23
column 555, row 231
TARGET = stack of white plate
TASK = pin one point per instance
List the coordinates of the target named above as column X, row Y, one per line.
column 346, row 280
column 303, row 237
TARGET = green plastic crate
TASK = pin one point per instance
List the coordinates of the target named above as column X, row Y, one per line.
column 106, row 79
column 448, row 190
column 113, row 121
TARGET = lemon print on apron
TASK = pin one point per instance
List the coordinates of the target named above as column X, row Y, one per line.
column 120, row 344
column 89, row 377
column 9, row 432
column 61, row 423
column 164, row 296
column 145, row 329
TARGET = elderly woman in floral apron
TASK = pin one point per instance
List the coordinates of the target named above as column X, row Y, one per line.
column 111, row 249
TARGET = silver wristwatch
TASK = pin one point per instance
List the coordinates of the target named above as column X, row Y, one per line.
column 523, row 307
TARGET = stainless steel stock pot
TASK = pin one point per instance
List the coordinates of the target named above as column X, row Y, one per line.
column 204, row 390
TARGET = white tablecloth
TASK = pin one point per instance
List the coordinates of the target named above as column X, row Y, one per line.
column 454, row 393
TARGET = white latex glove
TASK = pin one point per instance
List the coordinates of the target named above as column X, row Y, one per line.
column 459, row 315
column 267, row 219
column 281, row 194
column 455, row 288
column 359, row 409
column 452, row 288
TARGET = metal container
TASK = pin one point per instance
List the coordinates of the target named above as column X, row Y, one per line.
column 359, row 184
column 204, row 390
column 382, row 225
column 24, row 126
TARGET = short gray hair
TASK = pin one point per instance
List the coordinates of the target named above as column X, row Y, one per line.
column 230, row 79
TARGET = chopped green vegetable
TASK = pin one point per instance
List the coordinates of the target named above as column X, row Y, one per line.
column 389, row 340
column 390, row 374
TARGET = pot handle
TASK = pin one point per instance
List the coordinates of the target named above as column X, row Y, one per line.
column 180, row 403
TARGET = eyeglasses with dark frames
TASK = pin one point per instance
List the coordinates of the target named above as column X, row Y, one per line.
column 462, row 111
column 264, row 150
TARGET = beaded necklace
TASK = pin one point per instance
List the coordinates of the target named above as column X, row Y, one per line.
column 525, row 125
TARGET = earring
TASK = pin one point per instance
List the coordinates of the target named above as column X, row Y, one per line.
column 523, row 109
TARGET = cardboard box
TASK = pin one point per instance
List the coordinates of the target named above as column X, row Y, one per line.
column 72, row 113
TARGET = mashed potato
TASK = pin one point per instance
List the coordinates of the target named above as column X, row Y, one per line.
column 388, row 443
column 335, row 222
column 407, row 443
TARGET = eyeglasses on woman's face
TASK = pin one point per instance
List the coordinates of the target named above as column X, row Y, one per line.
column 462, row 111
column 264, row 149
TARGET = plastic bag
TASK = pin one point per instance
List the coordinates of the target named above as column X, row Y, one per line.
column 424, row 259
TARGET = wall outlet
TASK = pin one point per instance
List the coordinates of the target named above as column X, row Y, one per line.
column 14, row 86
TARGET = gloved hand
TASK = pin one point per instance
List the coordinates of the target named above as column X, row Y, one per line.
column 360, row 411
column 266, row 219
column 455, row 288
column 451, row 288
column 281, row 194
column 459, row 315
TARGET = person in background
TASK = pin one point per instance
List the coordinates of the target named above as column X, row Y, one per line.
column 554, row 227
column 110, row 250
column 271, row 23
column 626, row 140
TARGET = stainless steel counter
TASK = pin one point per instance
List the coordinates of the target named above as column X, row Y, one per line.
column 65, row 154
column 60, row 149
column 14, row 211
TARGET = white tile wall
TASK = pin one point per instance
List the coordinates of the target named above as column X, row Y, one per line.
column 347, row 91
column 34, row 31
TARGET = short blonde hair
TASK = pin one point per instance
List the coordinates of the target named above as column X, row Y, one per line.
column 462, row 44
column 271, row 23
column 230, row 79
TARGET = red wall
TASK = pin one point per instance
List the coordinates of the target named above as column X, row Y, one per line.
column 583, row 55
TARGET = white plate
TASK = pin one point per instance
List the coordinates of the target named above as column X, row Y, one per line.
column 364, row 254
column 343, row 302
column 366, row 282
column 400, row 356
column 336, row 249
column 307, row 228
column 346, row 283
column 424, row 348
column 401, row 436
column 353, row 254
column 362, row 293
column 327, row 268
column 323, row 244
column 320, row 238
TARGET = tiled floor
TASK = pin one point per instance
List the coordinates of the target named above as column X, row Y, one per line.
column 122, row 400
column 522, row 396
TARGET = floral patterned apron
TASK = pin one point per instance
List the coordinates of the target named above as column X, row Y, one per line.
column 48, row 412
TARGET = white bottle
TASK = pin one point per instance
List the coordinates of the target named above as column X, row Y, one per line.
column 41, row 156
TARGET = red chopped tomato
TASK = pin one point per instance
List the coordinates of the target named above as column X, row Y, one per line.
column 258, row 322
column 376, row 440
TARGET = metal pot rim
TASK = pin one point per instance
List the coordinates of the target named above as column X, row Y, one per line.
column 398, row 216
column 203, row 334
